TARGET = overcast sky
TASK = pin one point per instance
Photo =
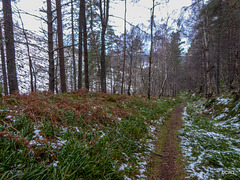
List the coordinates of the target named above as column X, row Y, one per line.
column 136, row 12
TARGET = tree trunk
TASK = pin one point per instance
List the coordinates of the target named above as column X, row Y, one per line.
column 73, row 49
column 10, row 50
column 151, row 50
column 238, row 70
column 96, row 49
column 103, row 65
column 104, row 13
column 28, row 52
column 206, row 37
column 165, row 79
column 50, row 45
column 60, row 46
column 56, row 72
column 130, row 75
column 218, row 49
column 3, row 62
column 85, row 46
column 124, row 48
column 80, row 45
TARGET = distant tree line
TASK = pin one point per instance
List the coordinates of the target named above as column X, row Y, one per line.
column 84, row 51
column 212, row 61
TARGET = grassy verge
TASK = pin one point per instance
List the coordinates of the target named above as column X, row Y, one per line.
column 79, row 135
column 210, row 137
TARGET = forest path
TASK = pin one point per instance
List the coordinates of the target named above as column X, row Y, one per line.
column 170, row 166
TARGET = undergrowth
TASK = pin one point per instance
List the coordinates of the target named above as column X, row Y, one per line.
column 210, row 137
column 77, row 135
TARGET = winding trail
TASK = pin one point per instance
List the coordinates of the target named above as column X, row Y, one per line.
column 170, row 167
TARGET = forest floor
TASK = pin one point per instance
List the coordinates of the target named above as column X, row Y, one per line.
column 170, row 166
column 80, row 135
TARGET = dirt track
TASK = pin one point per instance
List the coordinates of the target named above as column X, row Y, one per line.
column 169, row 168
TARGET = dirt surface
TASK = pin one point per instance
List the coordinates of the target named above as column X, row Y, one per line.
column 170, row 168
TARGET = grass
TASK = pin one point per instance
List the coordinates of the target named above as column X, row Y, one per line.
column 210, row 137
column 77, row 135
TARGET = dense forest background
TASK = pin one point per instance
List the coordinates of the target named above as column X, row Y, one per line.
column 79, row 49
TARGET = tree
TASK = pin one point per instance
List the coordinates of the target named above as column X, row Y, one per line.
column 10, row 50
column 73, row 48
column 50, row 45
column 60, row 47
column 151, row 51
column 3, row 62
column 175, row 60
column 28, row 52
column 104, row 14
column 124, row 49
column 80, row 34
column 85, row 45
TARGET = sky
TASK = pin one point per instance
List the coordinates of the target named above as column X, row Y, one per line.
column 136, row 12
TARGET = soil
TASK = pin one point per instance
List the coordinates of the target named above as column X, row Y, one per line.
column 170, row 166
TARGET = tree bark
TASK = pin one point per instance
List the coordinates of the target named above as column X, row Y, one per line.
column 85, row 46
column 219, row 50
column 151, row 50
column 60, row 45
column 130, row 75
column 95, row 48
column 104, row 13
column 73, row 49
column 10, row 50
column 206, row 37
column 3, row 62
column 80, row 34
column 124, row 48
column 50, row 45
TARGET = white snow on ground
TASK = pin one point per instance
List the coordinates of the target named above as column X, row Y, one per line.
column 191, row 139
column 8, row 117
column 220, row 116
column 55, row 163
column 237, row 106
column 37, row 136
column 223, row 101
column 123, row 167
column 127, row 178
column 142, row 158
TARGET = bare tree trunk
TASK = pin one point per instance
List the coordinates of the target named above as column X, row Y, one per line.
column 96, row 48
column 56, row 71
column 218, row 49
column 130, row 75
column 238, row 69
column 50, row 46
column 151, row 50
column 73, row 49
column 60, row 46
column 104, row 13
column 3, row 62
column 10, row 50
column 206, row 54
column 80, row 34
column 111, row 75
column 124, row 48
column 165, row 79
column 28, row 52
column 230, row 63
column 85, row 46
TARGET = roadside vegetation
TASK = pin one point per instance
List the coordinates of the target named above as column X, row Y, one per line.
column 79, row 135
column 210, row 137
